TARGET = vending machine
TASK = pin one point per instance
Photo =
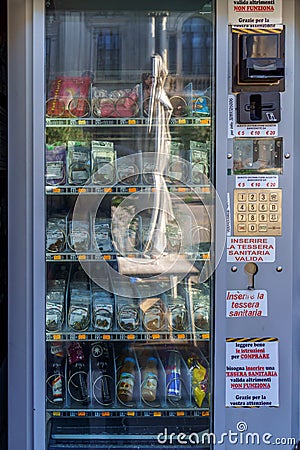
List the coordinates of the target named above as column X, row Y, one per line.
column 150, row 251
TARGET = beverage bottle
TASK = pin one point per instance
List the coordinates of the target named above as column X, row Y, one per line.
column 57, row 356
column 149, row 380
column 57, row 384
column 126, row 380
column 173, row 377
column 78, row 370
column 101, row 364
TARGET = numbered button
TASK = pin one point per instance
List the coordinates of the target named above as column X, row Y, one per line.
column 241, row 207
column 263, row 217
column 252, row 197
column 252, row 217
column 252, row 207
column 262, row 197
column 263, row 207
column 252, row 227
column 273, row 217
column 242, row 197
column 241, row 217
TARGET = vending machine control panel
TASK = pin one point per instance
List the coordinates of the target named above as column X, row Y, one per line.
column 257, row 212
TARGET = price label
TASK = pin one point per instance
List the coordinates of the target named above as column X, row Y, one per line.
column 57, row 257
column 255, row 131
column 130, row 336
column 81, row 257
column 181, row 336
column 256, row 181
column 106, row 337
column 155, row 336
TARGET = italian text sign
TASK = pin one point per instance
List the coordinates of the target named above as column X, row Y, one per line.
column 252, row 372
column 254, row 13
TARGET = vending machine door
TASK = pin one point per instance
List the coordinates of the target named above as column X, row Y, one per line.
column 129, row 224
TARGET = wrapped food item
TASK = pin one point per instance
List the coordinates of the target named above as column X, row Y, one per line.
column 199, row 379
column 56, row 234
column 103, row 310
column 55, row 298
column 78, row 162
column 79, row 235
column 177, row 314
column 153, row 313
column 201, row 308
column 79, row 309
column 56, row 164
column 102, row 235
column 68, row 97
column 127, row 313
column 116, row 103
column 103, row 157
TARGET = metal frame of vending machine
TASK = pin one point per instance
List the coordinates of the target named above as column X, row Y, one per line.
column 277, row 331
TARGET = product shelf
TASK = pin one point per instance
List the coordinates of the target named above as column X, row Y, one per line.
column 170, row 412
column 157, row 337
column 123, row 122
column 118, row 189
column 93, row 256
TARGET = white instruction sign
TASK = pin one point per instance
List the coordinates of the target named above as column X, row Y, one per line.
column 256, row 181
column 246, row 303
column 252, row 372
column 254, row 13
column 254, row 249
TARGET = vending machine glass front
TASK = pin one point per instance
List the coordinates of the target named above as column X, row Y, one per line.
column 129, row 168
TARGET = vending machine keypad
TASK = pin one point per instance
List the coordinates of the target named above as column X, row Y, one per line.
column 257, row 212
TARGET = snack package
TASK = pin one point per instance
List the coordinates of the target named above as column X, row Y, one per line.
column 199, row 158
column 153, row 313
column 201, row 308
column 56, row 234
column 102, row 235
column 103, row 158
column 55, row 299
column 78, row 162
column 79, row 235
column 79, row 309
column 127, row 313
column 199, row 379
column 116, row 103
column 127, row 170
column 177, row 314
column 103, row 310
column 56, row 164
column 68, row 97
